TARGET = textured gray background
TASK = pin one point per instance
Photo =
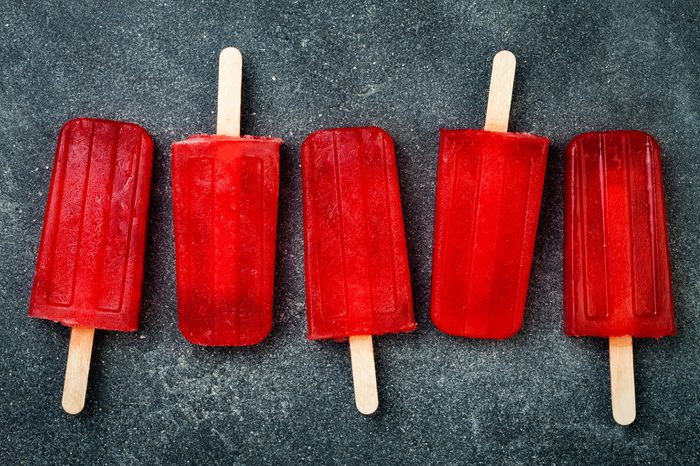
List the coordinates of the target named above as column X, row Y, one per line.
column 410, row 67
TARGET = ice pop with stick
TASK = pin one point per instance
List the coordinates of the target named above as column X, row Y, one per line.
column 487, row 204
column 356, row 264
column 617, row 279
column 90, row 266
column 225, row 190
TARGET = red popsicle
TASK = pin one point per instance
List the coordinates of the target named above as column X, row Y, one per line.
column 225, row 208
column 487, row 204
column 617, row 280
column 90, row 264
column 225, row 190
column 356, row 264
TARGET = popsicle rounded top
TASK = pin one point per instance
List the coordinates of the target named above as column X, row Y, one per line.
column 356, row 263
column 73, row 123
column 90, row 263
column 617, row 278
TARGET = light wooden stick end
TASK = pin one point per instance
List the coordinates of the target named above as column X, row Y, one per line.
column 228, row 117
column 363, row 373
column 622, row 380
column 77, row 369
column 500, row 92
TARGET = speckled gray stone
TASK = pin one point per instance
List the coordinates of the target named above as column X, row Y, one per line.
column 410, row 67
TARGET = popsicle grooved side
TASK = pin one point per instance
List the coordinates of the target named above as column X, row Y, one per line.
column 55, row 213
column 132, row 206
column 182, row 270
column 186, row 206
column 220, row 305
column 497, row 241
column 584, row 236
column 99, row 272
column 604, row 215
column 211, row 246
column 249, row 250
column 628, row 164
column 339, row 201
column 260, row 171
column 450, row 217
column 652, row 225
column 81, row 224
column 472, row 240
column 365, row 230
column 521, row 240
column 387, row 203
column 580, row 287
column 230, row 296
column 313, row 273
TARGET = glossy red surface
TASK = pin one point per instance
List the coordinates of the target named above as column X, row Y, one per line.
column 487, row 204
column 617, row 277
column 90, row 265
column 225, row 213
column 357, row 279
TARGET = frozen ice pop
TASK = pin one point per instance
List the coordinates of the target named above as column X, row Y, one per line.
column 487, row 204
column 225, row 209
column 617, row 280
column 90, row 264
column 225, row 190
column 356, row 264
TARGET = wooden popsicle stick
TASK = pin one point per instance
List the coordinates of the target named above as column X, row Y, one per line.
column 500, row 92
column 77, row 369
column 228, row 116
column 622, row 379
column 363, row 373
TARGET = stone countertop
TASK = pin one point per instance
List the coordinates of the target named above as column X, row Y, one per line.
column 411, row 68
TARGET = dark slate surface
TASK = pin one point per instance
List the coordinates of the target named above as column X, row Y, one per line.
column 410, row 67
